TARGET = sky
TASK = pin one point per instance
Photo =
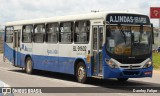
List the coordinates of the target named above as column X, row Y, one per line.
column 13, row 10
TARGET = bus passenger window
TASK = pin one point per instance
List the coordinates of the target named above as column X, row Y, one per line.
column 66, row 30
column 100, row 37
column 9, row 34
column 27, row 34
column 39, row 33
column 52, row 32
column 82, row 32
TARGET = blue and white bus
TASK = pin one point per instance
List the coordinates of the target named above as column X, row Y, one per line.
column 101, row 45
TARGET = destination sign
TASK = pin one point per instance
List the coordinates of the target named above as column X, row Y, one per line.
column 128, row 19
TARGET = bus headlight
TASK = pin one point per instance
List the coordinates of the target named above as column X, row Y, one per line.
column 112, row 64
column 148, row 64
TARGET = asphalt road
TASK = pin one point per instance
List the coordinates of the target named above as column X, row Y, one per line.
column 16, row 77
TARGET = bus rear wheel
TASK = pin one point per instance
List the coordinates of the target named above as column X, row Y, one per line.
column 81, row 73
column 29, row 66
column 122, row 79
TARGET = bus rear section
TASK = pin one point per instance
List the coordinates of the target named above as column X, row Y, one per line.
column 12, row 45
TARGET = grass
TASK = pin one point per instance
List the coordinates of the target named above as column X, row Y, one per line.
column 156, row 60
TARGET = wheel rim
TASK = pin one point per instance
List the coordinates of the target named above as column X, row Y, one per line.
column 29, row 65
column 81, row 72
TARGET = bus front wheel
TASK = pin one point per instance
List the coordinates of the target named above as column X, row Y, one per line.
column 29, row 66
column 81, row 72
column 122, row 79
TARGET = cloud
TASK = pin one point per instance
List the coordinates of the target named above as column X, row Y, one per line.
column 155, row 3
column 11, row 10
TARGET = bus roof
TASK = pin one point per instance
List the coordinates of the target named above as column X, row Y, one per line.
column 89, row 16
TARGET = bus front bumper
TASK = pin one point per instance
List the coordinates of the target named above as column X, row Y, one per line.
column 123, row 73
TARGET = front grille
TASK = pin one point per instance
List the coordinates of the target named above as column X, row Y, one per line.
column 130, row 61
column 131, row 73
column 128, row 67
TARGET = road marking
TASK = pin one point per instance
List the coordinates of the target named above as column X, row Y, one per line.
column 4, row 84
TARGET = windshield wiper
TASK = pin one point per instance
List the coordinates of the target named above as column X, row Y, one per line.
column 122, row 32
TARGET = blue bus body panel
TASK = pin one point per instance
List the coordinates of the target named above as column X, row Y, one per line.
column 66, row 65
column 122, row 73
column 8, row 52
column 47, row 63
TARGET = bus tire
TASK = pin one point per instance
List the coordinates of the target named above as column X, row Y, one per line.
column 81, row 72
column 29, row 66
column 122, row 79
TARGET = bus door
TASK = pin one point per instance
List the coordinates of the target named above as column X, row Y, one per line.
column 17, row 57
column 97, row 50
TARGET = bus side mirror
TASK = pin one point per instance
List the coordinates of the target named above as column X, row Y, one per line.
column 152, row 34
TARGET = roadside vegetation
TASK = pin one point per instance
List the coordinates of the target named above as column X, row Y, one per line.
column 156, row 60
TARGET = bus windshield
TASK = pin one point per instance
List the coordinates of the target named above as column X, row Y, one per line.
column 129, row 40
